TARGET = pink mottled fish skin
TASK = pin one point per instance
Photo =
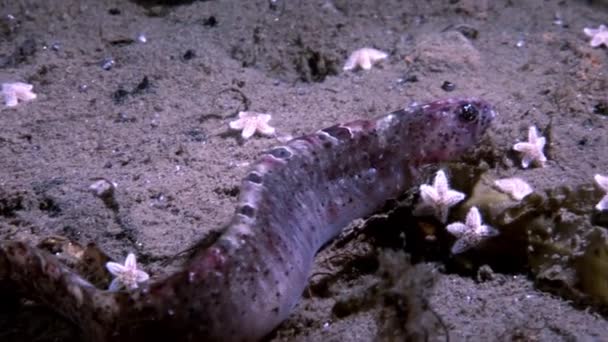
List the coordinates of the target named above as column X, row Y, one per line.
column 294, row 199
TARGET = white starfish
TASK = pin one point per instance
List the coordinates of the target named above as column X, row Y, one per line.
column 471, row 233
column 364, row 58
column 127, row 275
column 251, row 122
column 532, row 150
column 599, row 36
column 438, row 198
column 602, row 181
column 17, row 91
column 515, row 187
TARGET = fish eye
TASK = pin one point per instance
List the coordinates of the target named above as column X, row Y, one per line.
column 468, row 112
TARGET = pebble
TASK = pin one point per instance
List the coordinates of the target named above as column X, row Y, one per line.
column 107, row 63
column 448, row 86
column 102, row 188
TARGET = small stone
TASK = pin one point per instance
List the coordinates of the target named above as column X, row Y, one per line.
column 448, row 86
column 409, row 78
column 485, row 273
column 188, row 55
column 601, row 108
column 107, row 63
column 468, row 31
column 210, row 21
column 102, row 188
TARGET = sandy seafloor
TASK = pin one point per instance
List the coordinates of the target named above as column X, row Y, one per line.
column 164, row 142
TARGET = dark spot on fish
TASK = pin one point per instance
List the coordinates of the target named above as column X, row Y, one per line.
column 247, row 210
column 280, row 152
column 254, row 178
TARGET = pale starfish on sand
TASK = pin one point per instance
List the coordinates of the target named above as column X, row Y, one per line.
column 532, row 150
column 438, row 198
column 364, row 58
column 17, row 91
column 127, row 275
column 471, row 233
column 599, row 36
column 251, row 122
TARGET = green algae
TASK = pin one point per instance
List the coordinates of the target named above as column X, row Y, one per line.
column 556, row 234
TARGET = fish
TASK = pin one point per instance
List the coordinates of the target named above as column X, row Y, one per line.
column 293, row 200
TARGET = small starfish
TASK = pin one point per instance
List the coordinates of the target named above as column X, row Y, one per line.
column 602, row 181
column 251, row 122
column 599, row 36
column 438, row 198
column 515, row 187
column 13, row 92
column 471, row 233
column 364, row 58
column 127, row 275
column 532, row 150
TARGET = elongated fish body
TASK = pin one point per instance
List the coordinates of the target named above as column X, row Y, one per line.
column 294, row 199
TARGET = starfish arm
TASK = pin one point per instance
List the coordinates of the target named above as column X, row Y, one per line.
column 453, row 197
column 377, row 55
column 473, row 219
column 264, row 117
column 115, row 285
column 486, row 231
column 10, row 99
column 440, row 183
column 532, row 134
column 596, row 40
column 26, row 95
column 428, row 194
column 351, row 63
column 522, row 147
column 237, row 124
column 457, row 229
column 365, row 62
column 248, row 131
column 131, row 262
column 115, row 268
column 590, row 32
column 462, row 245
column 602, row 181
column 266, row 129
column 246, row 115
column 602, row 204
column 540, row 143
column 141, row 276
